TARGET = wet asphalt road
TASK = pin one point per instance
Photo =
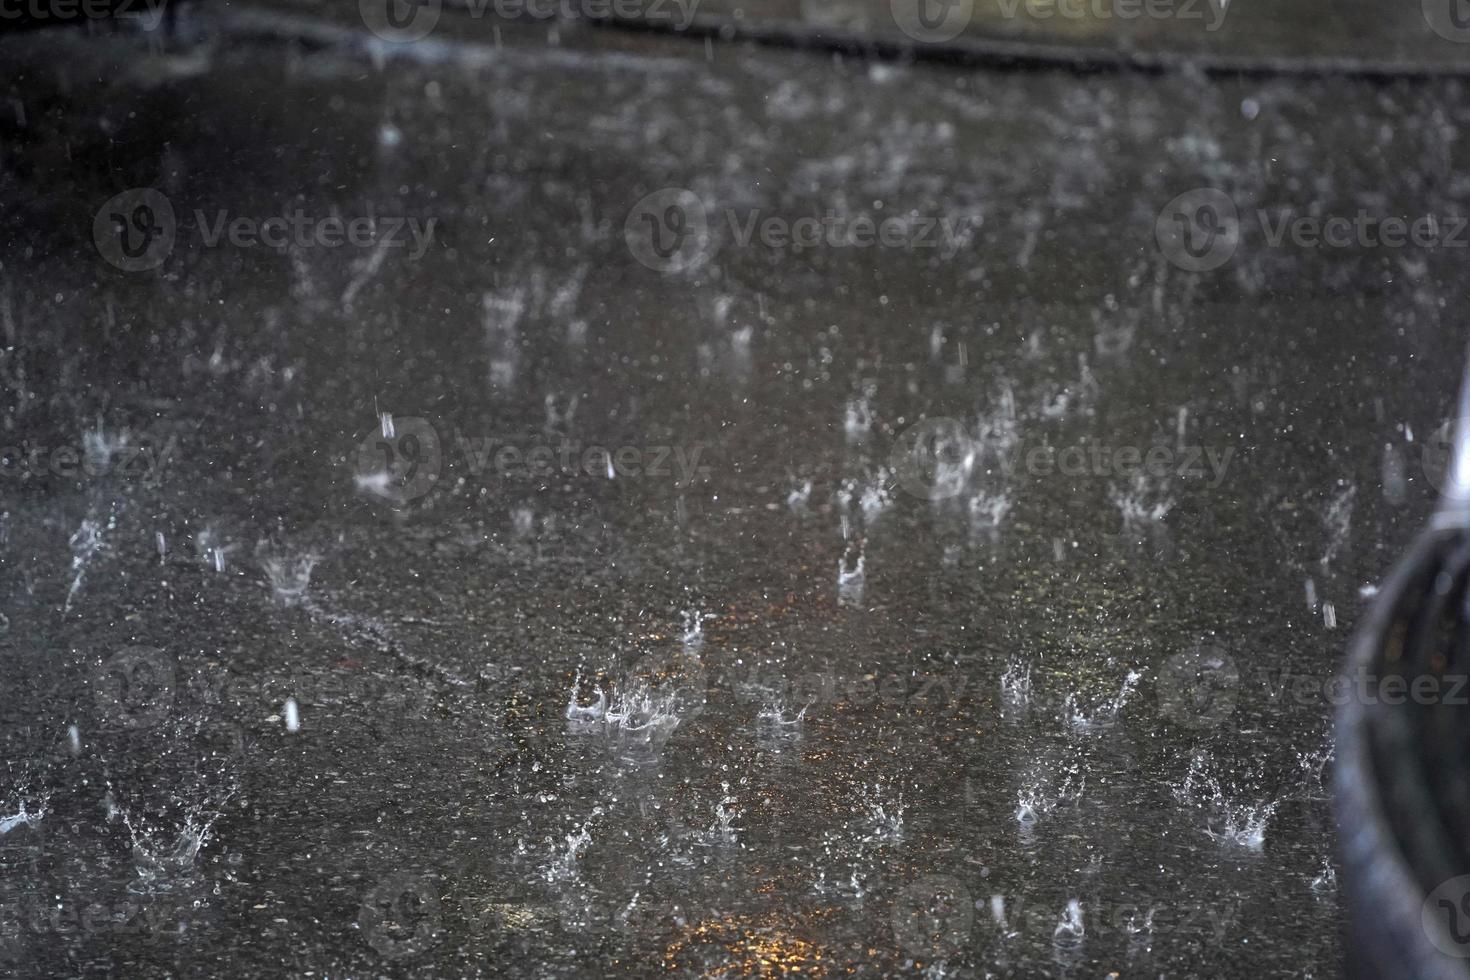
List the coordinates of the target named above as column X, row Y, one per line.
column 310, row 529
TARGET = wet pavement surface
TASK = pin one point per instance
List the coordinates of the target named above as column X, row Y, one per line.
column 1361, row 37
column 521, row 559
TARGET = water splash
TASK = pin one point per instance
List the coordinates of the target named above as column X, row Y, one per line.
column 637, row 710
column 1229, row 822
column 1030, row 806
column 584, row 718
column 1015, row 686
column 1196, row 780
column 1145, row 501
column 799, row 497
column 640, row 719
column 1041, row 795
column 1071, row 930
column 1139, row 928
column 86, row 543
column 160, row 857
column 777, row 724
column 1103, row 717
column 998, row 431
column 561, row 863
column 988, row 511
column 851, row 576
column 99, row 448
column 776, row 713
column 948, row 456
column 1313, row 766
column 725, row 814
column 1077, row 397
column 872, row 496
column 1130, row 683
column 1325, row 884
column 693, row 638
column 875, row 498
column 1243, row 825
column 25, row 815
column 289, row 574
column 883, row 812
